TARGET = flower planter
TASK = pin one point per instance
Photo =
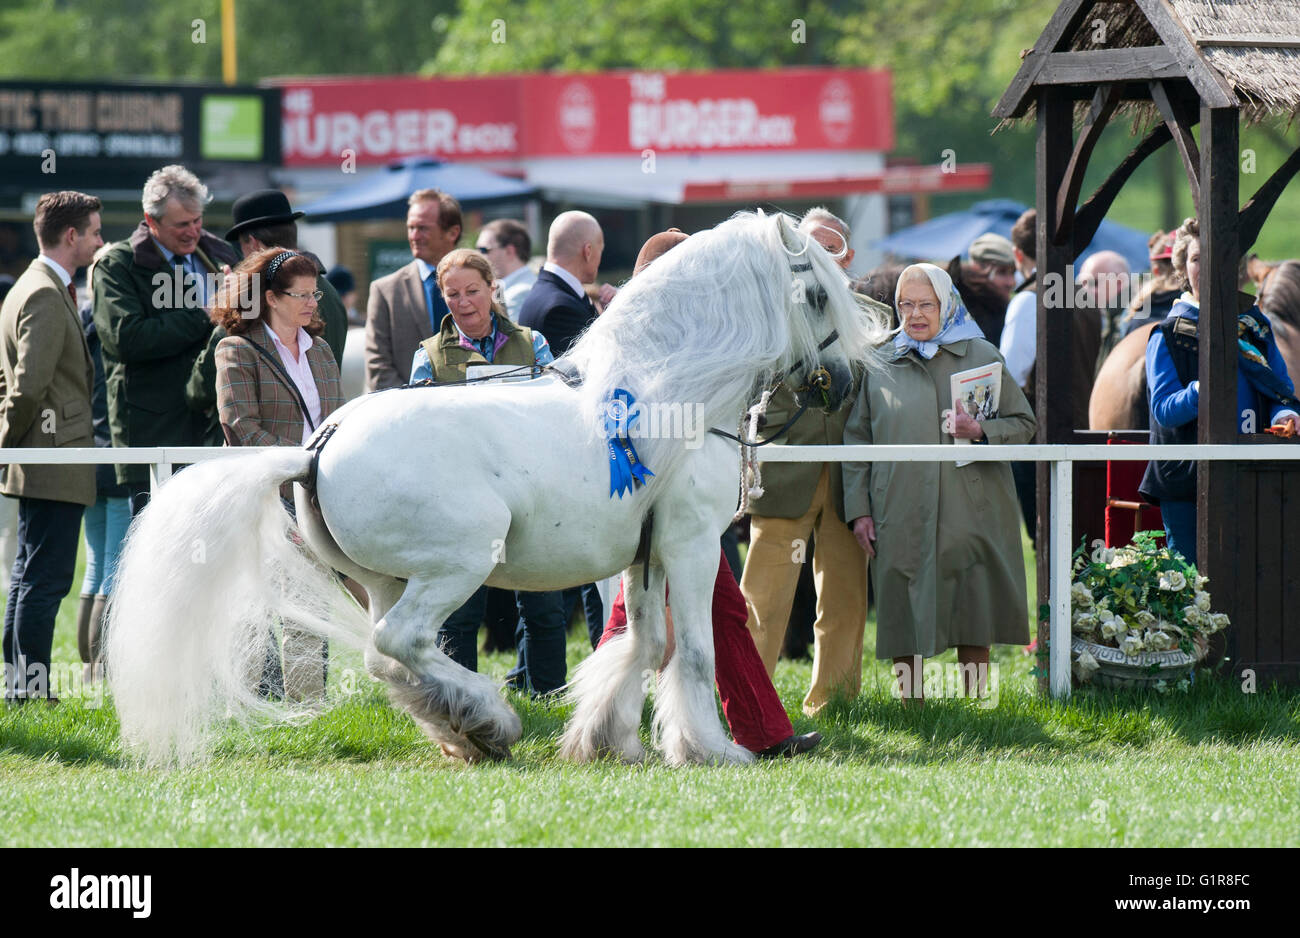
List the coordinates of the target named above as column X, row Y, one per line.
column 1118, row 670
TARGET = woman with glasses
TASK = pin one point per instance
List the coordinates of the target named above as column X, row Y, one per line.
column 948, row 569
column 276, row 381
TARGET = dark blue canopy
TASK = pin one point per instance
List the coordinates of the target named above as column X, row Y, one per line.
column 384, row 194
column 947, row 236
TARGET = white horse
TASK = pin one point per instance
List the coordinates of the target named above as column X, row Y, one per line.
column 424, row 494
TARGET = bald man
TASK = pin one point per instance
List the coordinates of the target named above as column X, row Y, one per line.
column 1103, row 285
column 831, row 232
column 557, row 306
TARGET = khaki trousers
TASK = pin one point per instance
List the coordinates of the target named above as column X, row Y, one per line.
column 776, row 551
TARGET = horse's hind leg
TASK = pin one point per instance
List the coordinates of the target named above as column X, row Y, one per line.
column 611, row 685
column 687, row 728
column 460, row 710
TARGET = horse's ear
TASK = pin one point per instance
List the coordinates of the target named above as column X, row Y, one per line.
column 789, row 236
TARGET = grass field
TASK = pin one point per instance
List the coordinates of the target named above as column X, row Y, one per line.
column 1209, row 767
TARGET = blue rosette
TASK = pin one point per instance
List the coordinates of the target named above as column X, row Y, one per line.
column 626, row 471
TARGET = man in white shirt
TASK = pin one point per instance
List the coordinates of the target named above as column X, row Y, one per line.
column 506, row 245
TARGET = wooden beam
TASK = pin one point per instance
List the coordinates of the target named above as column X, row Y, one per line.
column 1104, row 102
column 1052, row 378
column 1109, row 65
column 1180, row 127
column 1255, row 212
column 1213, row 88
column 1015, row 100
column 1089, row 216
column 1250, row 41
column 1219, row 522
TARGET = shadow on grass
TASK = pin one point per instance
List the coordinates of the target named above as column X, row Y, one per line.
column 70, row 733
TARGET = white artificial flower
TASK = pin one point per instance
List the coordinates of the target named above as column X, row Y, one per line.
column 1200, row 581
column 1085, row 623
column 1085, row 665
column 1161, row 641
column 1219, row 621
column 1123, row 557
column 1081, row 596
column 1131, row 644
column 1194, row 616
column 1202, row 600
column 1145, row 619
column 1112, row 627
column 1172, row 580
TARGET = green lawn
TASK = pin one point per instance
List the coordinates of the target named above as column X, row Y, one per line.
column 1210, row 767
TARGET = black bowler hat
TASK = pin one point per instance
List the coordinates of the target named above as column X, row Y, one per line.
column 263, row 207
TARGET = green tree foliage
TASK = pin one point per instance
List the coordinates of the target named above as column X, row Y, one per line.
column 160, row 39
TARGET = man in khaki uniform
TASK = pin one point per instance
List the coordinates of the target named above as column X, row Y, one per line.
column 46, row 376
column 800, row 499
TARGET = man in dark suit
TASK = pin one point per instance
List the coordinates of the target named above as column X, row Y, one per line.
column 405, row 308
column 558, row 306
column 150, row 294
column 46, row 375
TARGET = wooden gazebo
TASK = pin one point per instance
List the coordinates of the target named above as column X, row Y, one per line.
column 1170, row 65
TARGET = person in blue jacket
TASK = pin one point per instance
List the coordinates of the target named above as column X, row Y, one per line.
column 1264, row 392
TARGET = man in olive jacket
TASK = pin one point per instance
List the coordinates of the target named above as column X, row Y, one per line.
column 800, row 498
column 150, row 293
column 46, row 376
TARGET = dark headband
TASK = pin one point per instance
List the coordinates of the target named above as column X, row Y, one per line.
column 276, row 261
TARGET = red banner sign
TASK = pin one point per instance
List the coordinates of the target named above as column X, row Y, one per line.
column 375, row 121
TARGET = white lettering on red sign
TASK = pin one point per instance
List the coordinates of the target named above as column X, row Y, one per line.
column 835, row 110
column 392, row 133
column 706, row 124
column 577, row 114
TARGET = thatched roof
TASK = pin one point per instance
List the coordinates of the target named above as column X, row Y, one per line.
column 1252, row 45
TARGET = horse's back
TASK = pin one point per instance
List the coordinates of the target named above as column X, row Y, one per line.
column 1119, row 395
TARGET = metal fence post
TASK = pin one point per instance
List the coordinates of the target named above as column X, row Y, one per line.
column 159, row 473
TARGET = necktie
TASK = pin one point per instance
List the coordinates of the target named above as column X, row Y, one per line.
column 72, row 292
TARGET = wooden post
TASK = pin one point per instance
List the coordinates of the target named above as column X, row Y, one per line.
column 1052, row 372
column 1217, row 520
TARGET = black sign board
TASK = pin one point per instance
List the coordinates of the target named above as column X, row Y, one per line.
column 115, row 133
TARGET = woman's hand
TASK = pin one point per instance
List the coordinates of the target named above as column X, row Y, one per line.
column 864, row 529
column 966, row 427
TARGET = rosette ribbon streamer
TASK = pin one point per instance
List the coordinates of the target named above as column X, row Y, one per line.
column 626, row 471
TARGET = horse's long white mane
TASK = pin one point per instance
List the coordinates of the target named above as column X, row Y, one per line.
column 717, row 313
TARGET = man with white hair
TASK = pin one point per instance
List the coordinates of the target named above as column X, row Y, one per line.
column 799, row 500
column 831, row 232
column 150, row 291
column 557, row 306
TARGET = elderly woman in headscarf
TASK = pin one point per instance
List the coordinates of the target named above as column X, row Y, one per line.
column 948, row 568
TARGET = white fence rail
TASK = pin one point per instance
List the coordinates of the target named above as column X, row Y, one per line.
column 161, row 460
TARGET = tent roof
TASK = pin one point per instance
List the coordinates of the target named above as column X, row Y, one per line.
column 384, row 194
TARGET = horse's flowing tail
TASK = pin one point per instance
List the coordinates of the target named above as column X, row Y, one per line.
column 208, row 570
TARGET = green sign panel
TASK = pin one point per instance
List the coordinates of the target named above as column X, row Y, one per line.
column 231, row 127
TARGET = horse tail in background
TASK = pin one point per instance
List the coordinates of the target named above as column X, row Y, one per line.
column 207, row 571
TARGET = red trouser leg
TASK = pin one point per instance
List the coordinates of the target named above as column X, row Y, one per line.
column 749, row 701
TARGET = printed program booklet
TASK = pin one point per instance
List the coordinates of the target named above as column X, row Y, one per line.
column 976, row 391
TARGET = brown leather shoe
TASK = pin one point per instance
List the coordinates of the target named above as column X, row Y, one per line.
column 792, row 746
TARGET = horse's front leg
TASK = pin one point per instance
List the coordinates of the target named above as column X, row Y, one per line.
column 687, row 728
column 610, row 686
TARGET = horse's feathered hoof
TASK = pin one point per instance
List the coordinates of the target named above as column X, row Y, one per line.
column 490, row 752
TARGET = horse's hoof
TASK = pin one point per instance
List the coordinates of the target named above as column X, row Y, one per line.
column 491, row 752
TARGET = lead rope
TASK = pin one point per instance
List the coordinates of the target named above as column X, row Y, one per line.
column 751, row 477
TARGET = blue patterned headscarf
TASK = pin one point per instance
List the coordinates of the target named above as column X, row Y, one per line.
column 955, row 322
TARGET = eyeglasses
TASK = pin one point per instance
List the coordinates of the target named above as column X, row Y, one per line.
column 925, row 308
column 314, row 294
